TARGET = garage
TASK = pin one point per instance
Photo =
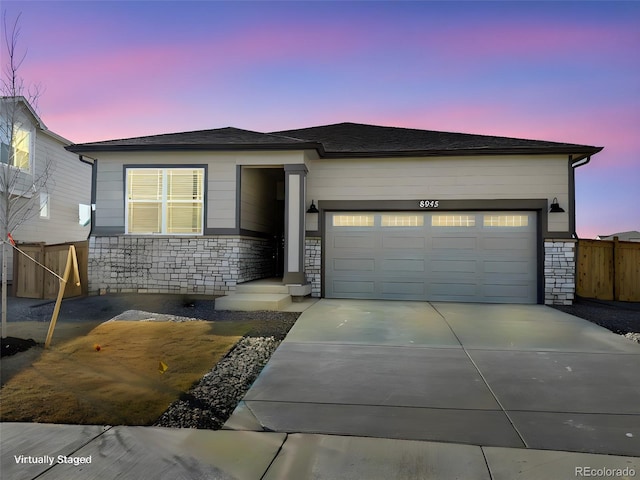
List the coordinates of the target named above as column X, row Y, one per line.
column 488, row 256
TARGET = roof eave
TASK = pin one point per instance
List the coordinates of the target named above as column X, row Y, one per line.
column 80, row 148
column 585, row 152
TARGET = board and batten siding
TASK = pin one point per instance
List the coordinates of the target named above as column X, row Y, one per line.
column 444, row 178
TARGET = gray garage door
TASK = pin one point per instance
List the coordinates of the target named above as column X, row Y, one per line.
column 442, row 256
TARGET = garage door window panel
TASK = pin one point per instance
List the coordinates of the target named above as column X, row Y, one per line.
column 506, row 220
column 402, row 220
column 353, row 221
column 453, row 221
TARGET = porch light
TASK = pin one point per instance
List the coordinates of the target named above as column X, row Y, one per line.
column 555, row 206
column 313, row 209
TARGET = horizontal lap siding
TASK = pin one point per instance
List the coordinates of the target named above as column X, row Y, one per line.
column 449, row 178
column 221, row 187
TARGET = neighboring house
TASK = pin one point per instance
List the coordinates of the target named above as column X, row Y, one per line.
column 632, row 236
column 55, row 217
column 401, row 213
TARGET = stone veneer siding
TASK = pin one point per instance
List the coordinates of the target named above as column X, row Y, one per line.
column 559, row 272
column 313, row 264
column 210, row 265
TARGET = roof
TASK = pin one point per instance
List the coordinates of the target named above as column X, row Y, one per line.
column 342, row 140
column 227, row 138
column 355, row 139
column 11, row 102
column 632, row 235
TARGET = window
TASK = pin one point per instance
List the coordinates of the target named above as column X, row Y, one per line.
column 165, row 200
column 506, row 220
column 402, row 220
column 453, row 221
column 44, row 205
column 20, row 155
column 353, row 220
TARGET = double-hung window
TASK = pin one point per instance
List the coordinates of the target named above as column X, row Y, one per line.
column 165, row 201
column 19, row 154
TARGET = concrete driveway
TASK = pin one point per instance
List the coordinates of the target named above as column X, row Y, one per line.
column 516, row 376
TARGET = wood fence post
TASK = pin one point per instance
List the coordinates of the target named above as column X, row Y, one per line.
column 617, row 271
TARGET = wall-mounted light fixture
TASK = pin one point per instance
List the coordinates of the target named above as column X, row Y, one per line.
column 313, row 209
column 555, row 206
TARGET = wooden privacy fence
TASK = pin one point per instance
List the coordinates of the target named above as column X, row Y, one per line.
column 608, row 270
column 32, row 281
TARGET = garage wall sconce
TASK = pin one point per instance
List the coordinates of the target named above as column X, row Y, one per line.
column 555, row 206
column 313, row 209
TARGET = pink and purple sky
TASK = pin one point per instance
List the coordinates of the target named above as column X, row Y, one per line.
column 560, row 71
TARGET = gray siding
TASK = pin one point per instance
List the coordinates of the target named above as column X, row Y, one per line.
column 516, row 177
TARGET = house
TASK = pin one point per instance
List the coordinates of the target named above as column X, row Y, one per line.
column 41, row 166
column 340, row 211
column 631, row 236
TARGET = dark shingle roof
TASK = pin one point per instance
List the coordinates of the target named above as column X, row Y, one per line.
column 342, row 140
column 217, row 139
column 355, row 139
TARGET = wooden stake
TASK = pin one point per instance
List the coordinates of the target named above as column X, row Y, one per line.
column 72, row 262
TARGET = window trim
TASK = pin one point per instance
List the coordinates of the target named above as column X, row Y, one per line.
column 47, row 204
column 30, row 153
column 164, row 168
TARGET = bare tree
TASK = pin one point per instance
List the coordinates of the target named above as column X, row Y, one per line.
column 23, row 177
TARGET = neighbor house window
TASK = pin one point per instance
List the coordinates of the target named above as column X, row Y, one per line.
column 165, row 200
column 44, row 205
column 453, row 221
column 20, row 153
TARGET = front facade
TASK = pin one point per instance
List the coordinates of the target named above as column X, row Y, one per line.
column 342, row 211
column 42, row 174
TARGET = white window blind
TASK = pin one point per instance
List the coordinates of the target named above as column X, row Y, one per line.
column 165, row 200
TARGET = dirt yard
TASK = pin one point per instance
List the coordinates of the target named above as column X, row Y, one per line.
column 111, row 375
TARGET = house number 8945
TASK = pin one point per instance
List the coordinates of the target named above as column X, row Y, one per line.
column 429, row 203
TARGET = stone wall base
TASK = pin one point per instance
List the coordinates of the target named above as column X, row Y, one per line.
column 210, row 265
column 313, row 264
column 559, row 271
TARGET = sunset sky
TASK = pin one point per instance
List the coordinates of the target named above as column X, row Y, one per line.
column 561, row 71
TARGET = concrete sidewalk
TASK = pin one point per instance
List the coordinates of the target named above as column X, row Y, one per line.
column 160, row 453
column 381, row 390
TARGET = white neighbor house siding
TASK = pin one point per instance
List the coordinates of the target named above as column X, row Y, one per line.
column 68, row 186
column 443, row 178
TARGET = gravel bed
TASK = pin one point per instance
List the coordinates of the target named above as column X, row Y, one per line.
column 210, row 403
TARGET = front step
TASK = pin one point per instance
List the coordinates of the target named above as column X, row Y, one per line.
column 262, row 287
column 253, row 301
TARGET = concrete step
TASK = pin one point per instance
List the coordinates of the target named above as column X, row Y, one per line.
column 253, row 301
column 262, row 287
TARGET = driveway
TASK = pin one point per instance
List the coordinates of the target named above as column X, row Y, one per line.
column 523, row 376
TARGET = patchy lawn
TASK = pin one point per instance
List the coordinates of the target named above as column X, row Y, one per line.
column 120, row 382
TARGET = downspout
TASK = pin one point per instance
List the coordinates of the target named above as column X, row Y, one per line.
column 573, row 164
column 94, row 165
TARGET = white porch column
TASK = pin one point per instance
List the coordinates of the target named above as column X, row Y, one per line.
column 294, row 227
